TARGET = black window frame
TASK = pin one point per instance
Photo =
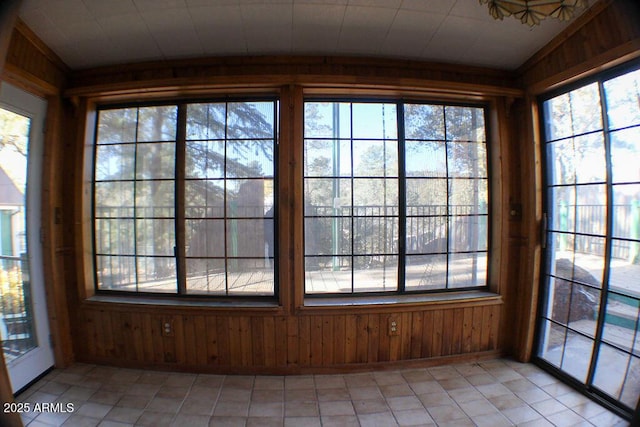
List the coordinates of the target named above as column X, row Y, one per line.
column 401, row 178
column 179, row 181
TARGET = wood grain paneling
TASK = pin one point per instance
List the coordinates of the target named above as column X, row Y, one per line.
column 606, row 35
column 264, row 343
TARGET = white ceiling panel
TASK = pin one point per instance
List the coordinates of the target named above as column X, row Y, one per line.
column 88, row 33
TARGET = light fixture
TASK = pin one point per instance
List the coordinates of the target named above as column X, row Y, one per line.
column 531, row 12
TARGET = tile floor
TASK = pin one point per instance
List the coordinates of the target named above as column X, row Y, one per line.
column 490, row 393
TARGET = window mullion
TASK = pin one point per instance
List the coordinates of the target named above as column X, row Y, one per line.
column 180, row 249
column 402, row 198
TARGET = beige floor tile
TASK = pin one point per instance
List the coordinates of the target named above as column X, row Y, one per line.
column 299, row 382
column 163, row 404
column 431, row 400
column 302, row 422
column 124, row 415
column 272, row 409
column 491, row 420
column 565, row 418
column 548, row 407
column 231, row 409
column 302, row 409
column 364, row 393
column 190, row 420
column 130, row 401
column 198, row 405
column 423, row 387
column 300, row 395
column 446, row 413
column 269, row 383
column 414, row 417
column 230, row 421
column 340, row 421
column 478, row 407
column 337, row 408
column 404, row 403
column 154, row 419
column 521, row 414
column 388, row 378
column 95, row 410
column 370, row 406
column 265, row 422
column 378, row 419
column 396, row 390
column 77, row 420
column 329, row 381
column 332, row 394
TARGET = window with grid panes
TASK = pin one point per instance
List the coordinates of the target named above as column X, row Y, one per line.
column 184, row 199
column 395, row 197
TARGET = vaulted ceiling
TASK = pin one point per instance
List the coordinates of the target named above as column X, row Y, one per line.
column 89, row 33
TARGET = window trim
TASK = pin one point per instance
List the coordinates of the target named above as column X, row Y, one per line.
column 179, row 180
column 379, row 297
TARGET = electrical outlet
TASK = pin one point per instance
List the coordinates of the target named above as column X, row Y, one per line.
column 394, row 328
column 167, row 327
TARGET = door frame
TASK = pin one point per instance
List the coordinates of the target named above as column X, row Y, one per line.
column 31, row 365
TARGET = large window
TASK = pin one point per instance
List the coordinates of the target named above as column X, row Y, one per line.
column 184, row 199
column 395, row 197
column 589, row 321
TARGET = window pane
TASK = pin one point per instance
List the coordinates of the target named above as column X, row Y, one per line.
column 327, row 158
column 206, row 276
column 375, row 193
column 426, row 234
column 116, row 273
column 591, row 200
column 426, row 196
column 586, row 114
column 250, row 277
column 424, row 122
column 552, row 342
column 564, row 213
column 631, row 389
column 327, row 236
column 327, row 120
column 155, row 199
column 374, row 121
column 465, row 124
column 204, row 159
column 467, row 159
column 155, row 161
column 626, row 211
column 375, row 235
column 249, row 159
column 562, row 166
column 248, row 120
column 611, row 369
column 106, row 205
column 426, row 272
column 117, row 126
column 590, row 165
column 204, row 238
column 327, row 196
column 246, row 237
column 157, row 123
column 327, row 274
column 468, row 196
column 156, row 274
column 204, row 199
column 114, row 162
column 577, row 356
column 155, row 237
column 115, row 236
column 425, row 159
column 625, row 155
column 375, row 158
column 583, row 311
column 248, row 198
column 467, row 233
column 206, row 121
column 620, row 322
column 467, row 270
column 375, row 273
column 624, row 277
column 622, row 95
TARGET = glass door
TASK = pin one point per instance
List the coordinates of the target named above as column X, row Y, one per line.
column 24, row 326
column 588, row 329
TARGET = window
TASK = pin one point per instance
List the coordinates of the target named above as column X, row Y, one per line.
column 395, row 197
column 588, row 325
column 186, row 206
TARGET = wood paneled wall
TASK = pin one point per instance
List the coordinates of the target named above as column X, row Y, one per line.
column 32, row 65
column 607, row 34
column 209, row 341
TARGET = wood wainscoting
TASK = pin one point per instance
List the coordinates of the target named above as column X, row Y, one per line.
column 204, row 341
